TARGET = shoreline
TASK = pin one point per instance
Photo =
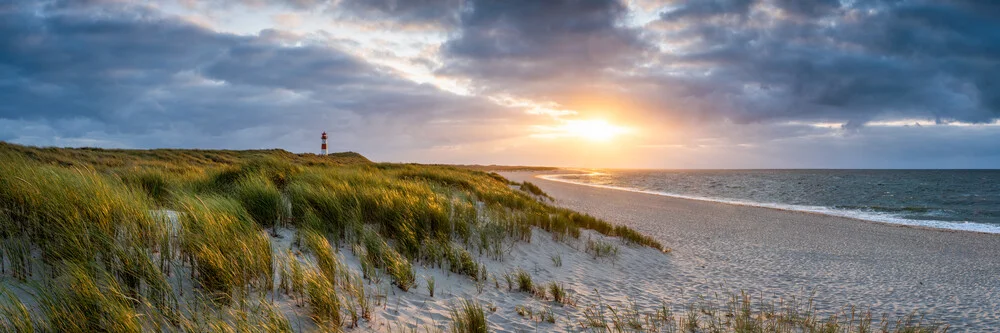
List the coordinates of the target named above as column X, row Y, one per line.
column 931, row 225
column 948, row 275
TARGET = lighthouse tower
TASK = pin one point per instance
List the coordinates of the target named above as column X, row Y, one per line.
column 323, row 147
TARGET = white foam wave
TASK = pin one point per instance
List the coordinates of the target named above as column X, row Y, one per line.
column 848, row 213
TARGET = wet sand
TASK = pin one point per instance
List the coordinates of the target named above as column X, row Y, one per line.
column 950, row 276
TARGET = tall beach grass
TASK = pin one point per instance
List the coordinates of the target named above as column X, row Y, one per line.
column 186, row 240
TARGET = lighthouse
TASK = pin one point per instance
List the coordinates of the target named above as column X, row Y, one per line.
column 323, row 146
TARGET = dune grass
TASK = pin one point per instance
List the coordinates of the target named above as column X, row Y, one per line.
column 228, row 251
column 178, row 240
column 744, row 312
column 558, row 292
column 261, row 199
column 601, row 249
column 534, row 190
column 523, row 280
column 468, row 317
column 324, row 301
column 381, row 256
column 80, row 300
column 429, row 282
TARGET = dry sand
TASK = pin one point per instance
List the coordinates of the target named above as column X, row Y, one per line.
column 949, row 275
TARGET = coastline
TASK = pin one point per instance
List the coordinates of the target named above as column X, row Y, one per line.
column 946, row 274
column 974, row 227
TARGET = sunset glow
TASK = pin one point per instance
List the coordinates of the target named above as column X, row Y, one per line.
column 357, row 151
column 597, row 130
column 654, row 84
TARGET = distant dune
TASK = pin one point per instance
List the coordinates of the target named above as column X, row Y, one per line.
column 499, row 168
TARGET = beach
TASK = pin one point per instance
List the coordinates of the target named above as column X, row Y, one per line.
column 949, row 276
column 343, row 245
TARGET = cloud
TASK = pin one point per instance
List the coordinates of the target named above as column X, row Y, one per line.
column 741, row 60
column 733, row 75
column 873, row 60
column 75, row 63
column 123, row 72
column 435, row 12
column 507, row 44
column 709, row 8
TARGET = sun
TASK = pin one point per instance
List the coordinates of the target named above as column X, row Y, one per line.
column 592, row 129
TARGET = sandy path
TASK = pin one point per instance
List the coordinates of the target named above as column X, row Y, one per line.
column 951, row 276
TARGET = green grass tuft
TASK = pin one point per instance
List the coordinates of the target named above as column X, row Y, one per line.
column 534, row 190
column 229, row 253
column 523, row 279
column 468, row 317
column 261, row 199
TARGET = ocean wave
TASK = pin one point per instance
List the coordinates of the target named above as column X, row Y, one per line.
column 859, row 213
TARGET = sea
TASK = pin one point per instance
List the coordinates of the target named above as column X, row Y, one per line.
column 948, row 199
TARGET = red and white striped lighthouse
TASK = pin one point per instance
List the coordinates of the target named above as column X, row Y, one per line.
column 323, row 147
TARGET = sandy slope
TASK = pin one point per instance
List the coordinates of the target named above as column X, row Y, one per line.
column 717, row 248
column 616, row 280
column 591, row 282
column 953, row 276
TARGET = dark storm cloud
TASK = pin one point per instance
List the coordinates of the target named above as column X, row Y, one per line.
column 809, row 8
column 413, row 13
column 72, row 64
column 876, row 60
column 708, row 8
column 442, row 12
column 885, row 147
column 296, row 68
column 292, row 4
column 511, row 42
column 744, row 60
column 123, row 71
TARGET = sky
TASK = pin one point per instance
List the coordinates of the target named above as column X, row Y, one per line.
column 598, row 83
